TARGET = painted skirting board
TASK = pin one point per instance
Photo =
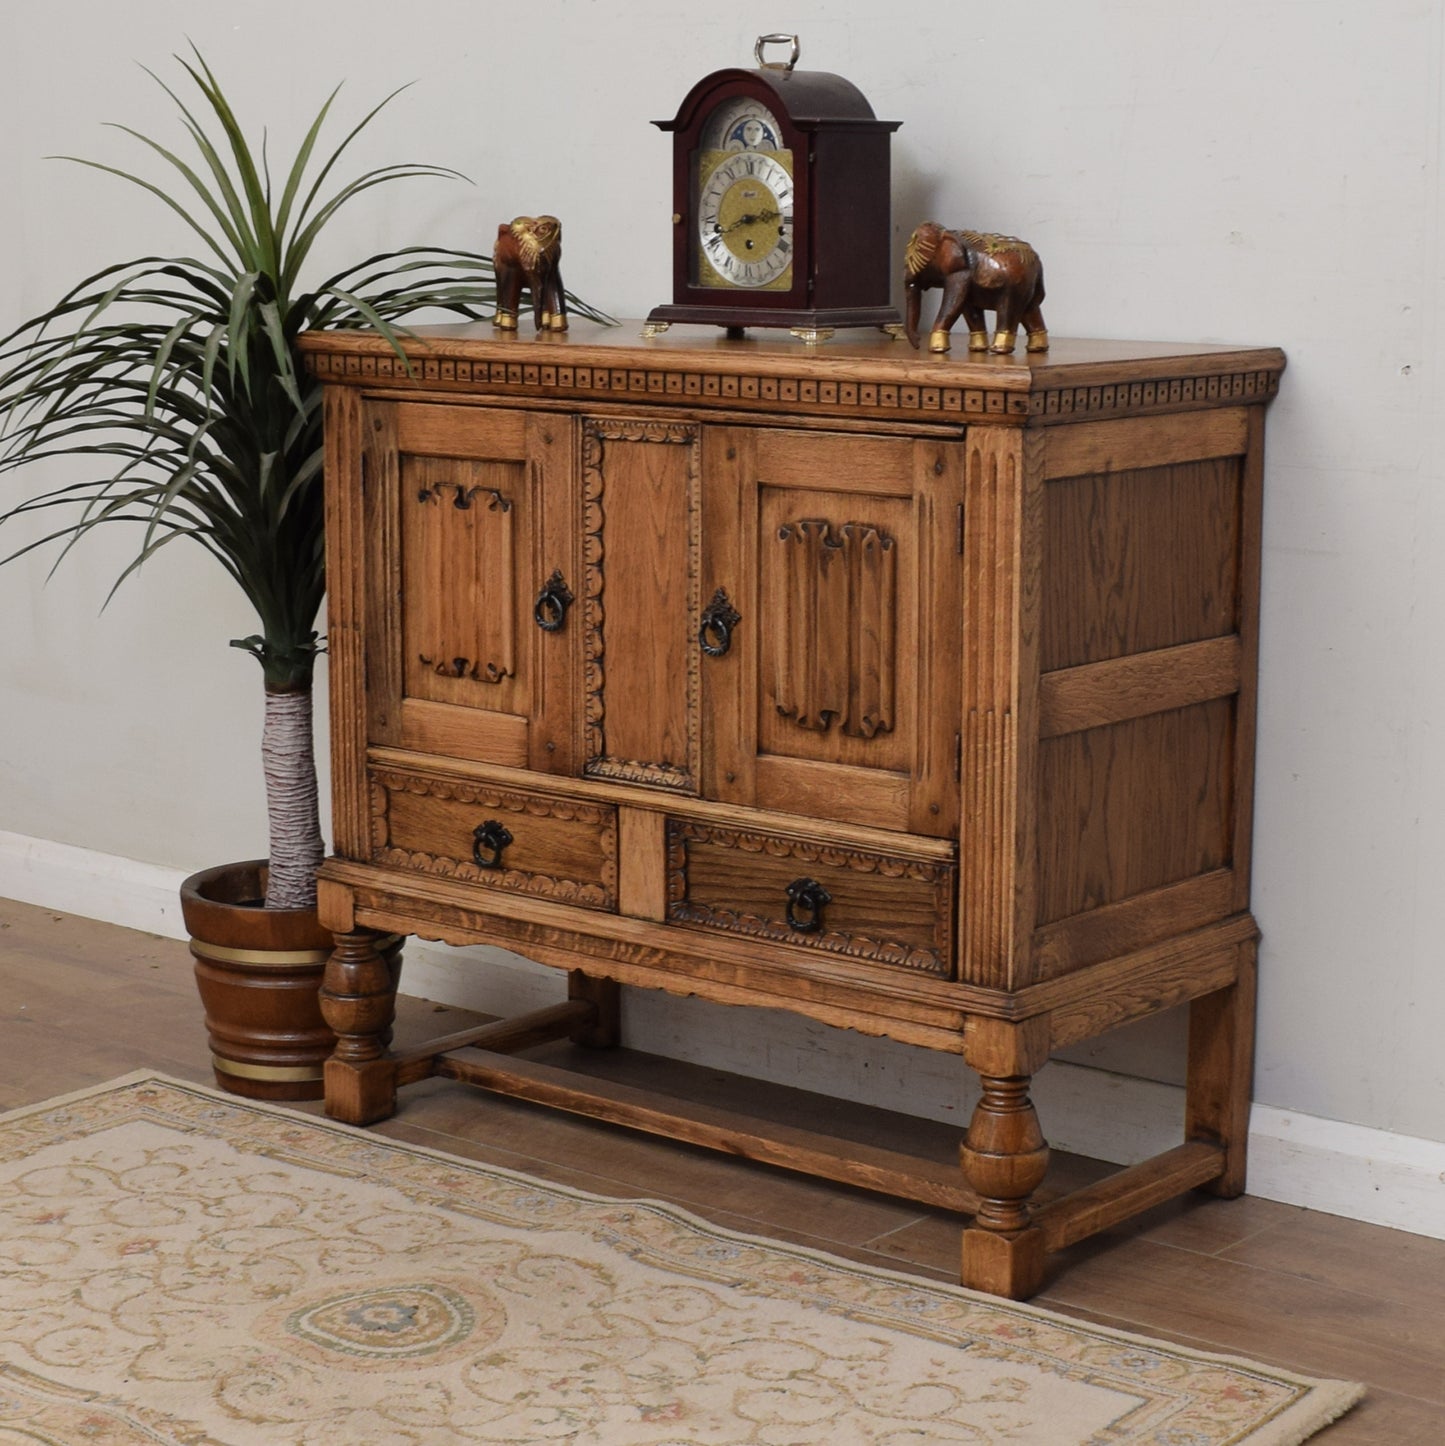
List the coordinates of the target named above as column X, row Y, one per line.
column 1328, row 1165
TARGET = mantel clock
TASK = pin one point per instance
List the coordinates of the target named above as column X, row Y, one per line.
column 781, row 212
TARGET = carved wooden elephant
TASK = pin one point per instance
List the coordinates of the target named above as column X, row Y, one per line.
column 527, row 254
column 978, row 272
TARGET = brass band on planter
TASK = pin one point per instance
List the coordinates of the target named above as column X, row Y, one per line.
column 274, row 958
column 290, row 1074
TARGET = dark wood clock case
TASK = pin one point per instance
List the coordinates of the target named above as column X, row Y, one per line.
column 842, row 274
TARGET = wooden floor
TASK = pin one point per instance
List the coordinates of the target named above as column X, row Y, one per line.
column 81, row 1003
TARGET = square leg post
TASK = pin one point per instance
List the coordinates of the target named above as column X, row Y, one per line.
column 1221, row 1072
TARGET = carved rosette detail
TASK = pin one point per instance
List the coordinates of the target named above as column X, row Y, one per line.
column 835, row 643
column 683, row 910
column 385, row 783
column 596, row 433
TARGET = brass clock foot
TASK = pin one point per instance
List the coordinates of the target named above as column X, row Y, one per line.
column 812, row 335
column 655, row 328
column 894, row 329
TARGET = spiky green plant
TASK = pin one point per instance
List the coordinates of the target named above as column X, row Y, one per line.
column 176, row 382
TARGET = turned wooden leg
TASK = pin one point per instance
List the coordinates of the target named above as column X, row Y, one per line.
column 1221, row 1072
column 358, row 1001
column 1004, row 1158
column 604, row 1031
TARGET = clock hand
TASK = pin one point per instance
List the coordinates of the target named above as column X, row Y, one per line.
column 751, row 220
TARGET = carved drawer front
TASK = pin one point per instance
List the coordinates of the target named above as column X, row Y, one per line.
column 883, row 908
column 500, row 838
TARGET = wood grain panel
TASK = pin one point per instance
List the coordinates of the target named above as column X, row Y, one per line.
column 641, row 497
column 1139, row 560
column 1095, row 694
column 642, row 863
column 440, row 431
column 1133, row 807
column 1131, row 924
column 1094, row 447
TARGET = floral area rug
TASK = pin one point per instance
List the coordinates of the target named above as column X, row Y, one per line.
column 182, row 1268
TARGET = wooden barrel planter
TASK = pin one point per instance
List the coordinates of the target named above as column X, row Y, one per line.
column 259, row 972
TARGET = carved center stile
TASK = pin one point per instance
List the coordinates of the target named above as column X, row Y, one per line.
column 836, row 641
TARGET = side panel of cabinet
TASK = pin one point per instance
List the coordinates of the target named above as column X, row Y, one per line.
column 838, row 695
column 470, row 514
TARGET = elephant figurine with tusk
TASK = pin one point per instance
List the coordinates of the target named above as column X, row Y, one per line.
column 978, row 272
column 527, row 256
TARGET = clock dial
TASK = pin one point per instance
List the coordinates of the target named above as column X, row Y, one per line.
column 742, row 124
column 745, row 220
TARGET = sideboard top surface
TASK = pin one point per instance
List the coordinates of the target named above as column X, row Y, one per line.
column 860, row 370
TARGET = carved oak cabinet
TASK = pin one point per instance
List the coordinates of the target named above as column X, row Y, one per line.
column 913, row 694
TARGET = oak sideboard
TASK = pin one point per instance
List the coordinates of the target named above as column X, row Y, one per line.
column 910, row 693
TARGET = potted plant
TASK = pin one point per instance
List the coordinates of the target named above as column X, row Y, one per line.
column 175, row 381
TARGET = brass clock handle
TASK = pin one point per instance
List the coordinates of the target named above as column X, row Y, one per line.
column 790, row 40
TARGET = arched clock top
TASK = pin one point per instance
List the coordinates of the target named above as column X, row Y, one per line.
column 807, row 98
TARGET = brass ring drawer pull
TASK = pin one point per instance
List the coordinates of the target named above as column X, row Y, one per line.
column 807, row 899
column 488, row 841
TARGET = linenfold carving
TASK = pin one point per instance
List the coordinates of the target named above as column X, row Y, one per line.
column 457, row 534
column 834, row 643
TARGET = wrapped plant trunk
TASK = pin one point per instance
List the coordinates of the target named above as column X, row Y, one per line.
column 294, row 822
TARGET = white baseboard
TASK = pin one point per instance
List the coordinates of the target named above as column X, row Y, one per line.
column 1328, row 1165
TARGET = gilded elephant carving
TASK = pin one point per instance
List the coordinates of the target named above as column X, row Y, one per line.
column 526, row 257
column 979, row 272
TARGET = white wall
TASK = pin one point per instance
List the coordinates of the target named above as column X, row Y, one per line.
column 1263, row 172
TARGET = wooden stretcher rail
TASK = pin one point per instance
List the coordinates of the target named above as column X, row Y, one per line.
column 891, row 1173
column 1096, row 1207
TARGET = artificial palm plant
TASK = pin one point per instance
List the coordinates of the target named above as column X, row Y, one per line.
column 175, row 382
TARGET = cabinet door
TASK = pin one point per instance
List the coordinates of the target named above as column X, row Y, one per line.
column 837, row 695
column 472, row 555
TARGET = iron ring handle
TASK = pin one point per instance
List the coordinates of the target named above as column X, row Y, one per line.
column 807, row 899
column 491, row 837
column 550, row 609
column 719, row 618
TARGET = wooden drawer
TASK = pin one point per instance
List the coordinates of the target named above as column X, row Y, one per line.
column 500, row 838
column 884, row 908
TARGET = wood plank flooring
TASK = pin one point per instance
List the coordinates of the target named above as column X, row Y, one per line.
column 83, row 1002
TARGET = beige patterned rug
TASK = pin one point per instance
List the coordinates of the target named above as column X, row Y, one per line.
column 182, row 1268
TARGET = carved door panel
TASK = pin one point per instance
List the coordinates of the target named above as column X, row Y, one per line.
column 641, row 515
column 472, row 560
column 832, row 571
